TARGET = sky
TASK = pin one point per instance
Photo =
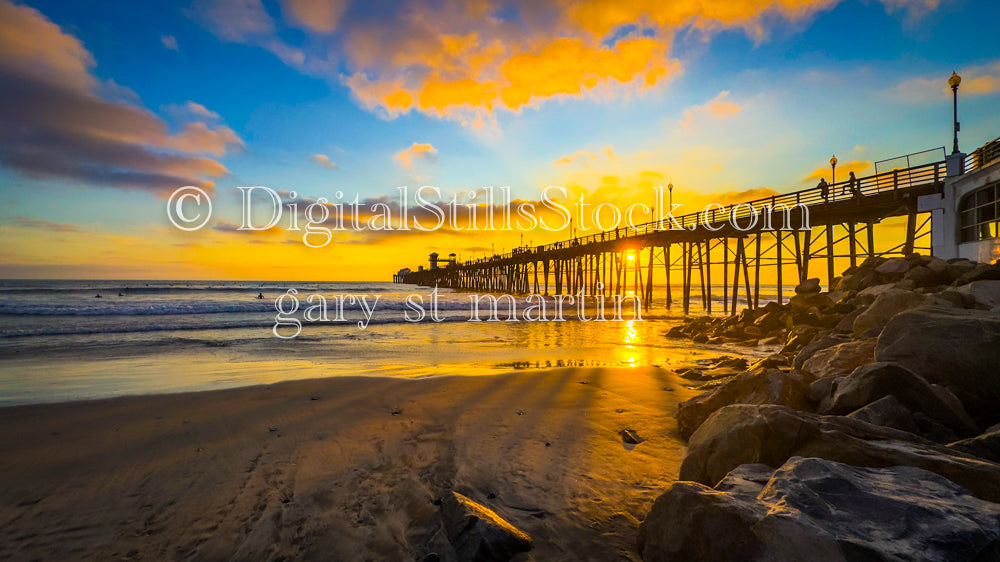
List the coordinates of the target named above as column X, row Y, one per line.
column 108, row 107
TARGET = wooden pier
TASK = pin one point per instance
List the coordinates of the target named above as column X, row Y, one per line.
column 793, row 232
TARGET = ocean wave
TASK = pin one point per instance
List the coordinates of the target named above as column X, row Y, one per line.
column 266, row 323
column 113, row 307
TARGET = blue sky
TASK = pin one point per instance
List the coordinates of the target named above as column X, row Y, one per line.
column 751, row 95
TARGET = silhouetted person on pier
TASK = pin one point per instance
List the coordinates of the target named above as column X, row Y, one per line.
column 854, row 186
column 824, row 189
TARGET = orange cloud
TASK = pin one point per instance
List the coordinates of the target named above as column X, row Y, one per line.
column 581, row 156
column 719, row 107
column 844, row 169
column 416, row 152
column 464, row 60
column 324, row 160
column 199, row 137
column 976, row 81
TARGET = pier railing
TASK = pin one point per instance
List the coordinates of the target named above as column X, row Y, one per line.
column 889, row 181
column 983, row 156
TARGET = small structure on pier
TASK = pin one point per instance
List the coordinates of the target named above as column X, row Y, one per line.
column 436, row 261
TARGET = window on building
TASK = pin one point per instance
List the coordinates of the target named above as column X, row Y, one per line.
column 977, row 214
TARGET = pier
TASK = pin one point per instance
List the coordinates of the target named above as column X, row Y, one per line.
column 794, row 236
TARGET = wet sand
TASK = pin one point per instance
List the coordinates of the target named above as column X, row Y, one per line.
column 343, row 468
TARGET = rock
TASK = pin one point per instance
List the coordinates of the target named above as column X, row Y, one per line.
column 858, row 280
column 869, row 294
column 871, row 382
column 885, row 306
column 846, row 324
column 630, row 436
column 821, row 388
column 676, row 332
column 773, row 320
column 770, row 435
column 985, row 446
column 821, row 511
column 479, row 534
column 982, row 294
column 893, row 267
column 980, row 272
column 958, row 349
column 887, row 412
column 959, row 267
column 922, row 276
column 769, row 386
column 732, row 363
column 840, row 359
column 808, row 286
column 819, row 342
column 700, row 338
column 937, row 265
column 798, row 337
column 693, row 375
column 804, row 301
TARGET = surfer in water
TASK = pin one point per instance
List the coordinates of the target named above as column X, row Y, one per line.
column 260, row 296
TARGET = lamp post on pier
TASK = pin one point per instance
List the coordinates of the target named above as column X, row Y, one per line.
column 954, row 81
column 833, row 173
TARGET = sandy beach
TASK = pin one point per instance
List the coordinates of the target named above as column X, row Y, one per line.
column 340, row 468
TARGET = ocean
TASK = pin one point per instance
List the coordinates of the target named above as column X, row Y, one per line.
column 59, row 342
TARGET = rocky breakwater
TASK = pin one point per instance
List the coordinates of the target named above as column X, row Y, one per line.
column 870, row 434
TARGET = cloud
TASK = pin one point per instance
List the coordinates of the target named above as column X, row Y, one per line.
column 55, row 124
column 323, row 160
column 976, row 81
column 170, row 42
column 844, row 169
column 247, row 22
column 315, row 15
column 28, row 222
column 467, row 61
column 718, row 107
column 220, row 225
column 235, row 20
column 414, row 153
column 199, row 110
column 581, row 156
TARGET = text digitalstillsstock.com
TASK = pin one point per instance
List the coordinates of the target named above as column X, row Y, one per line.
column 424, row 209
column 320, row 309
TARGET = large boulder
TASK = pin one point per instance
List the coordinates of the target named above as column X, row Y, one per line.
column 840, row 359
column 887, row 411
column 893, row 267
column 959, row 267
column 770, row 435
column 808, row 286
column 477, row 533
column 818, row 342
column 822, row 511
column 885, row 306
column 985, row 446
column 802, row 302
column 762, row 386
column 982, row 294
column 979, row 272
column 871, row 382
column 923, row 276
column 958, row 349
